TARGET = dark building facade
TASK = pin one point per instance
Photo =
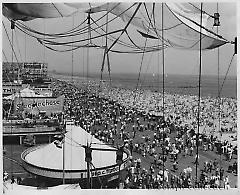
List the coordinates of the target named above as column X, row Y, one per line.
column 24, row 71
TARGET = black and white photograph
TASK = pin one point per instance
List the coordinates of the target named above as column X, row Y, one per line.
column 119, row 95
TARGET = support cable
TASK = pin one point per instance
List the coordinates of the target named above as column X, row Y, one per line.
column 72, row 55
column 25, row 47
column 112, row 38
column 83, row 58
column 44, row 52
column 5, row 56
column 225, row 77
column 89, row 41
column 21, row 59
column 105, row 51
column 83, row 29
column 140, row 68
column 125, row 28
column 200, row 10
column 13, row 51
column 72, row 58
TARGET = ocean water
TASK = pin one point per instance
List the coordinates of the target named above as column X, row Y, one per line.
column 178, row 84
column 175, row 84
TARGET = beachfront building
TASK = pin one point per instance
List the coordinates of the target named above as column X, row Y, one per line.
column 24, row 70
column 33, row 70
column 11, row 71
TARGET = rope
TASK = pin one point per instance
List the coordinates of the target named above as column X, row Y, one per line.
column 53, row 36
column 85, row 40
column 72, row 52
column 153, row 48
column 13, row 51
column 158, row 69
column 200, row 26
column 83, row 57
column 200, row 10
column 44, row 29
column 125, row 28
column 120, row 42
column 112, row 38
column 72, row 81
column 105, row 51
column 57, row 10
column 140, row 69
column 225, row 77
column 146, row 71
column 5, row 56
column 21, row 59
column 108, row 60
column 86, row 28
column 89, row 41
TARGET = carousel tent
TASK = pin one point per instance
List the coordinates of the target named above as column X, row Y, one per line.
column 50, row 157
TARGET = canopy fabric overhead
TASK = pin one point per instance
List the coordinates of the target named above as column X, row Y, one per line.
column 30, row 11
column 181, row 24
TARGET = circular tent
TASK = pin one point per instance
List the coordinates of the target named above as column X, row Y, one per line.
column 47, row 160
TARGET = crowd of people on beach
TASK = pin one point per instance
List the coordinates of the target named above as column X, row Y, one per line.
column 160, row 137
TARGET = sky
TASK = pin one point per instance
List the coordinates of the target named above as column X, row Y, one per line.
column 176, row 61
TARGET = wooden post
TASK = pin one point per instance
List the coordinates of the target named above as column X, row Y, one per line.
column 63, row 148
column 34, row 139
column 119, row 176
column 20, row 140
column 88, row 176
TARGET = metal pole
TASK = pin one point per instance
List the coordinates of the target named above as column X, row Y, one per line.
column 163, row 100
column 219, row 102
column 88, row 161
column 119, row 174
column 199, row 92
column 88, row 175
column 63, row 158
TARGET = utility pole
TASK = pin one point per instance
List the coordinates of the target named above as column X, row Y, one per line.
column 63, row 158
column 119, row 161
column 88, row 159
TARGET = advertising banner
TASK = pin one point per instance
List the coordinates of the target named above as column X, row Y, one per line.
column 36, row 104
